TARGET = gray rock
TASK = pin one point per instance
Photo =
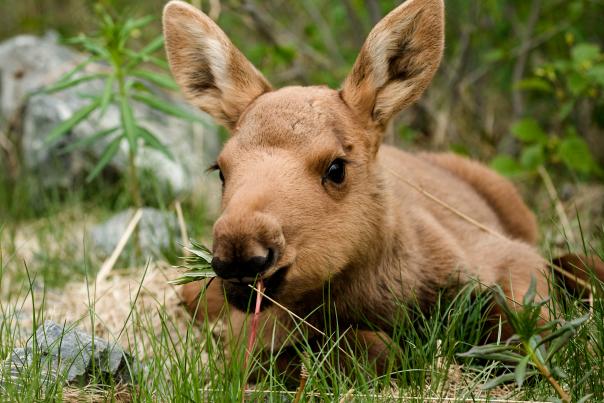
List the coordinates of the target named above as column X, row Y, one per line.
column 72, row 356
column 158, row 231
column 29, row 63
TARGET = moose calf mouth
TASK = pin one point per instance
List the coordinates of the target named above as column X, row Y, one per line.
column 242, row 296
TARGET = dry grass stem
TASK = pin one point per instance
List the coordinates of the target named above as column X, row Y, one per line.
column 483, row 227
column 184, row 235
column 553, row 194
column 110, row 262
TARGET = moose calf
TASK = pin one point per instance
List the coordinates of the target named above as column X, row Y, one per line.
column 312, row 201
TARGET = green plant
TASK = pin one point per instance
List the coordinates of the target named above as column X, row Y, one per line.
column 532, row 349
column 126, row 80
column 574, row 82
column 198, row 264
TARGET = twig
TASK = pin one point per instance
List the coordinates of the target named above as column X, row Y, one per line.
column 550, row 378
column 110, row 262
column 375, row 13
column 355, row 21
column 447, row 206
column 215, row 9
column 525, row 48
column 287, row 310
column 326, row 32
column 184, row 235
column 551, row 190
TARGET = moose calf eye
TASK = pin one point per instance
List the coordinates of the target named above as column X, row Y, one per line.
column 221, row 176
column 335, row 172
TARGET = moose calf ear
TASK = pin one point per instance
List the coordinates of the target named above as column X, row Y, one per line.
column 213, row 74
column 397, row 61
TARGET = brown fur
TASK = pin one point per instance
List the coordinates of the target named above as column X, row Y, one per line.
column 372, row 241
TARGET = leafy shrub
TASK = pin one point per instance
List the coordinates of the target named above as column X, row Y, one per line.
column 126, row 81
column 570, row 81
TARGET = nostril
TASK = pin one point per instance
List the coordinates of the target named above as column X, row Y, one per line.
column 270, row 257
column 243, row 268
column 258, row 264
column 221, row 268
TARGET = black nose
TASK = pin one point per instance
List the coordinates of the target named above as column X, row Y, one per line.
column 242, row 268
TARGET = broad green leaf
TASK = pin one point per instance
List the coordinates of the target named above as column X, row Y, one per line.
column 128, row 123
column 152, row 141
column 520, row 371
column 110, row 151
column 159, row 79
column 493, row 55
column 165, row 107
column 532, row 157
column 577, row 83
column 529, row 131
column 89, row 139
column 70, row 123
column 575, row 154
column 506, row 165
column 596, row 73
column 534, row 84
column 585, row 52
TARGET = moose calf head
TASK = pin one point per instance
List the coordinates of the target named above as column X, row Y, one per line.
column 303, row 198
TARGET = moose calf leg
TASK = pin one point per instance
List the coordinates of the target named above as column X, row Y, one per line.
column 516, row 265
column 204, row 299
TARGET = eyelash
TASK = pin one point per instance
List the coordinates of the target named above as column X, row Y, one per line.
column 216, row 167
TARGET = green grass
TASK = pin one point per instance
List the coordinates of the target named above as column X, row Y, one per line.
column 186, row 362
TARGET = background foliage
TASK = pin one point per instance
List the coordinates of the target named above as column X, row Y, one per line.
column 521, row 87
column 505, row 61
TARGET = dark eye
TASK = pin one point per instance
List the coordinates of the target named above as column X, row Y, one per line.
column 221, row 175
column 336, row 172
